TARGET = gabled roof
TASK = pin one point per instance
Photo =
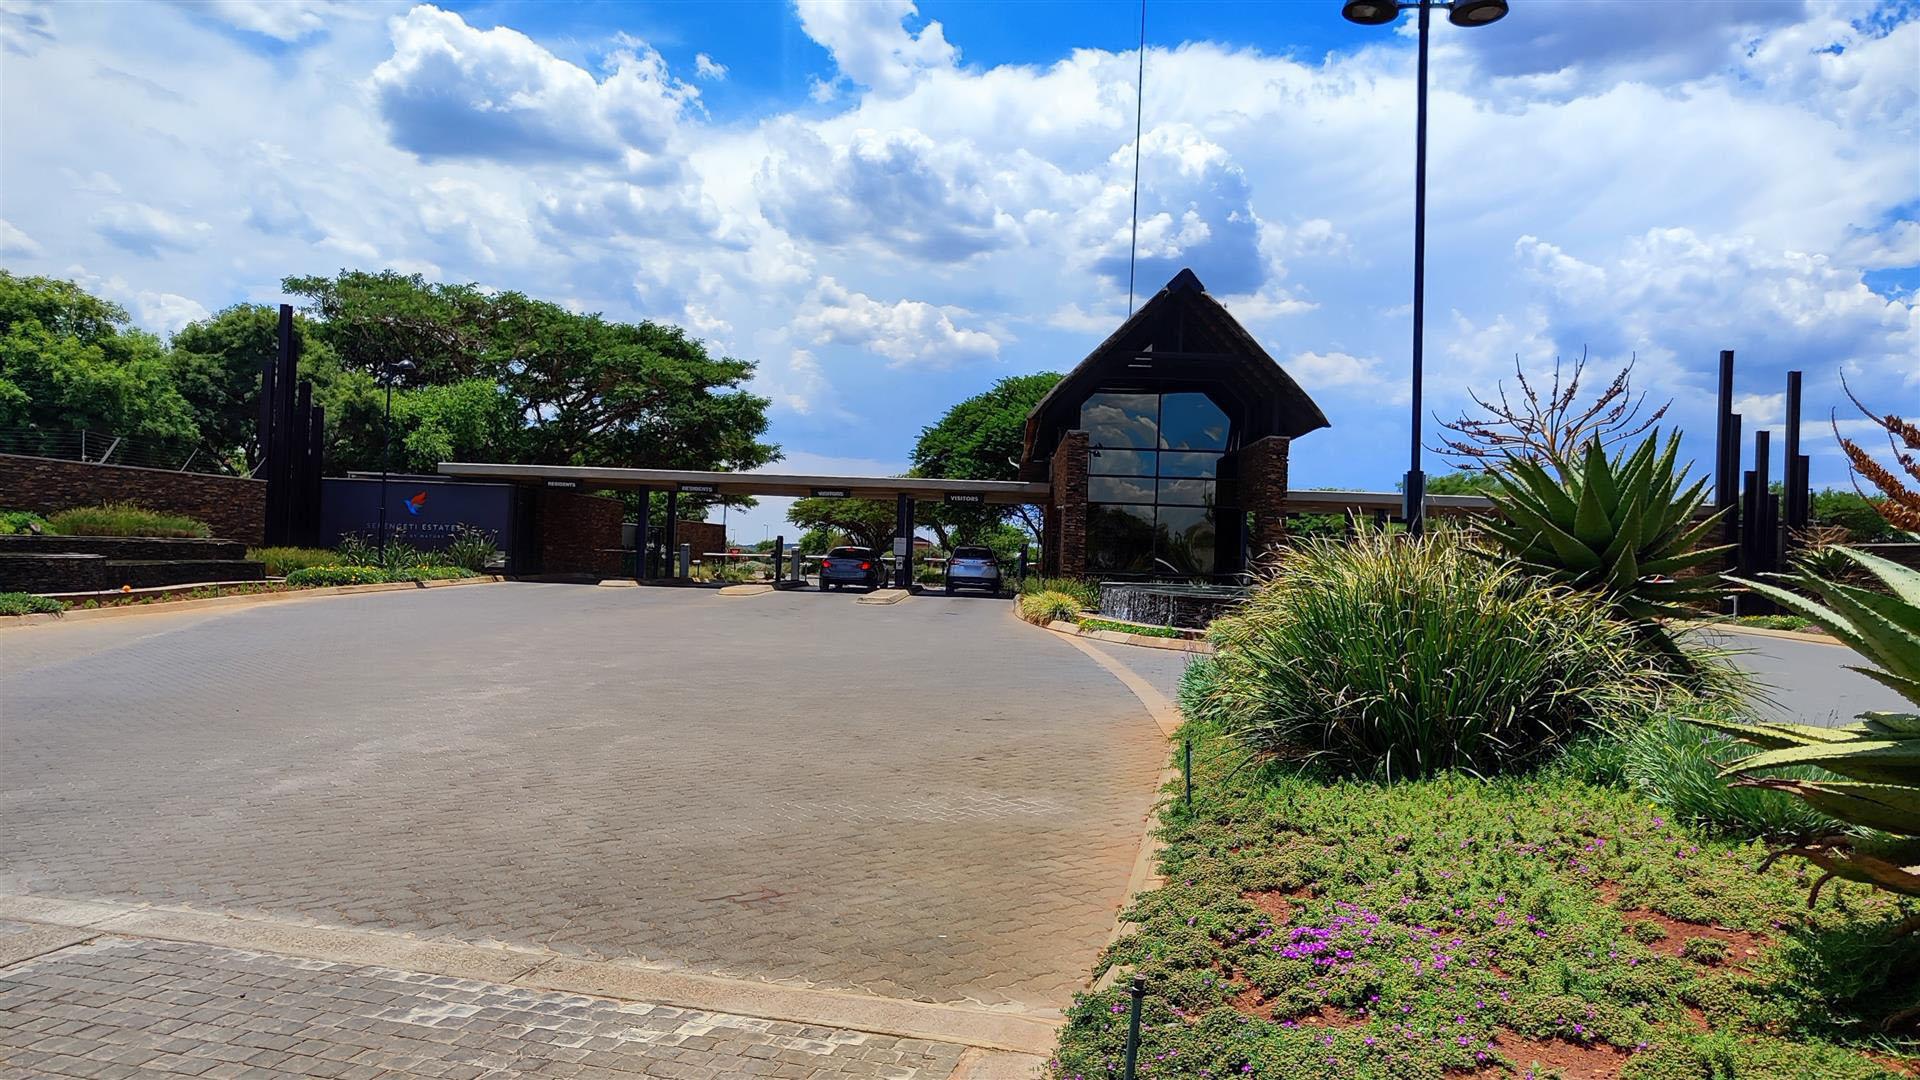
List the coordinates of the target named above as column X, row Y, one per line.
column 1200, row 341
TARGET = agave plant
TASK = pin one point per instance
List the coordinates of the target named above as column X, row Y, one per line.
column 1880, row 755
column 1622, row 527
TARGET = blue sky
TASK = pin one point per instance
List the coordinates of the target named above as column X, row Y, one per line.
column 889, row 206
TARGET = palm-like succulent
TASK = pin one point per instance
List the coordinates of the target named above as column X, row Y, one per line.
column 1880, row 755
column 1623, row 527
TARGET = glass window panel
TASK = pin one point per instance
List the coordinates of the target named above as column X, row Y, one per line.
column 1120, row 539
column 1120, row 489
column 1186, row 539
column 1121, row 463
column 1192, row 422
column 1177, row 463
column 1186, row 492
column 1121, row 420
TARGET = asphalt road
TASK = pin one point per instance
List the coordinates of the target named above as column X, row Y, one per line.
column 1810, row 681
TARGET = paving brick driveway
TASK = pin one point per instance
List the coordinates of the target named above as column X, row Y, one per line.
column 117, row 1008
column 924, row 800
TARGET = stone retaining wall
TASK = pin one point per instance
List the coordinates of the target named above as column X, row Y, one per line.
column 235, row 506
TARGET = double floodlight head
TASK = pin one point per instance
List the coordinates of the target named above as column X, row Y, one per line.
column 1459, row 13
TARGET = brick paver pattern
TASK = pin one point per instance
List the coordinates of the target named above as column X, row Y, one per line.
column 118, row 1008
column 925, row 800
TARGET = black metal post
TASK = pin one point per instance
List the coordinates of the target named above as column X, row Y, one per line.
column 1138, row 992
column 299, row 441
column 673, row 534
column 1796, row 497
column 903, row 526
column 316, row 466
column 1726, row 467
column 280, row 408
column 640, row 533
column 1416, row 481
column 779, row 542
column 1764, row 543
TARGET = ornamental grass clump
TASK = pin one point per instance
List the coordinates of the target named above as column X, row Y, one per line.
column 1395, row 658
column 125, row 519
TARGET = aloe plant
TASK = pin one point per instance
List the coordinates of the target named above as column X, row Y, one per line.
column 1879, row 757
column 1621, row 527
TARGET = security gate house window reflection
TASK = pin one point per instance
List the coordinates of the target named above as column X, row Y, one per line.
column 1153, row 466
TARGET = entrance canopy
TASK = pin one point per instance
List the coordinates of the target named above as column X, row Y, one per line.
column 799, row 485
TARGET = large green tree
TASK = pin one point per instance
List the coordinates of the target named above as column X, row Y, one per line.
column 867, row 523
column 70, row 361
column 981, row 438
column 582, row 389
column 216, row 366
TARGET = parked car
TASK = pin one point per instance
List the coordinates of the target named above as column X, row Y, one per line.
column 849, row 566
column 973, row 568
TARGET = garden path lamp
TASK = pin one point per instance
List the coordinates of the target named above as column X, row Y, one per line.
column 1459, row 13
column 389, row 371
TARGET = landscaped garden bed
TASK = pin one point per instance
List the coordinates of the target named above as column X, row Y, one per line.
column 1478, row 806
column 1464, row 927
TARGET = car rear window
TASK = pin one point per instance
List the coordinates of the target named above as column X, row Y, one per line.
column 972, row 553
column 849, row 553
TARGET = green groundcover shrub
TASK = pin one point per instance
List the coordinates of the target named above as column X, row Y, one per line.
column 1456, row 927
column 18, row 522
column 431, row 573
column 19, row 603
column 1136, row 629
column 337, row 575
column 282, row 561
column 125, row 519
column 1389, row 657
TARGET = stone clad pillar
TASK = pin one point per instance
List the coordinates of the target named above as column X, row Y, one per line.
column 1263, row 494
column 1069, row 509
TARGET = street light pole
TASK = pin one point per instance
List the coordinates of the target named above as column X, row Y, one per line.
column 1460, row 13
column 1415, row 485
column 386, row 457
column 391, row 369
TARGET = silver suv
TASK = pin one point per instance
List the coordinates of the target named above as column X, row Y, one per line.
column 973, row 568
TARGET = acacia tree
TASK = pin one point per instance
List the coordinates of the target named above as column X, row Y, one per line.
column 867, row 523
column 1900, row 504
column 576, row 388
column 1550, row 427
column 981, row 438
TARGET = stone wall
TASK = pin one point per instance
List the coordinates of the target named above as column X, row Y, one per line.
column 1067, row 524
column 235, row 506
column 1263, row 493
column 702, row 537
column 579, row 534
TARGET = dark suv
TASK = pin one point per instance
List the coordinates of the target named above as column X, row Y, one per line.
column 849, row 566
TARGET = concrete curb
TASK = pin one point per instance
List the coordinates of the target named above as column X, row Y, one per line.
column 746, row 590
column 884, row 596
column 1761, row 631
column 170, row 606
column 1185, row 645
column 1021, row 1033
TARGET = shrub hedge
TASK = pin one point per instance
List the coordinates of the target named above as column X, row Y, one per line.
column 282, row 561
column 19, row 603
column 125, row 519
column 1391, row 657
column 311, row 576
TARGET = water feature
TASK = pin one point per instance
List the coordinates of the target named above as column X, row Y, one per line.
column 1163, row 604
